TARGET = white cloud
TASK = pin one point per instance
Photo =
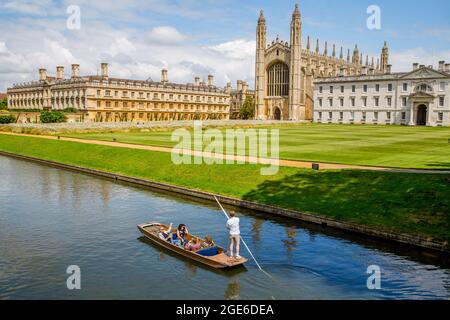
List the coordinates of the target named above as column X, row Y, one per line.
column 166, row 35
column 36, row 7
column 402, row 60
column 121, row 46
column 237, row 49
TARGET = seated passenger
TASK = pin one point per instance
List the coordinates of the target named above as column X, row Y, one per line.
column 181, row 234
column 209, row 242
column 165, row 234
column 193, row 245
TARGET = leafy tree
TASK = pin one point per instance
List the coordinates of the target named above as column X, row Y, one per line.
column 3, row 104
column 248, row 109
column 7, row 119
column 52, row 116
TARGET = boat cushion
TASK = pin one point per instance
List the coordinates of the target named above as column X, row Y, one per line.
column 209, row 252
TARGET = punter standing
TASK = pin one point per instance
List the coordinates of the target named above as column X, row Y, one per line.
column 233, row 226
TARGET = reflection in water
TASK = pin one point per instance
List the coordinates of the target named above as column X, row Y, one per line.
column 51, row 218
column 291, row 242
column 256, row 230
column 233, row 289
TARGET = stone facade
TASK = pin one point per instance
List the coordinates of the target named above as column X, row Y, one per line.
column 419, row 97
column 285, row 73
column 106, row 99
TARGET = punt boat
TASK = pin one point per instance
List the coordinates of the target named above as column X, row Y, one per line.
column 215, row 257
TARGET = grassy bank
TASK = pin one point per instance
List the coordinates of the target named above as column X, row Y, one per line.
column 409, row 203
column 387, row 146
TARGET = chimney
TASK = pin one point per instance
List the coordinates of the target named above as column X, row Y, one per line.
column 210, row 80
column 197, row 81
column 415, row 66
column 430, row 66
column 447, row 67
column 75, row 71
column 422, row 66
column 164, row 76
column 239, row 85
column 441, row 65
column 388, row 68
column 42, row 74
column 59, row 72
column 104, row 67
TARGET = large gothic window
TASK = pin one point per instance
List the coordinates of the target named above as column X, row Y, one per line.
column 278, row 80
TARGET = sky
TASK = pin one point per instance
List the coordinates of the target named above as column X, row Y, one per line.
column 199, row 37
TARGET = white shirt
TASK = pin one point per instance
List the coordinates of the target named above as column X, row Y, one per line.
column 233, row 226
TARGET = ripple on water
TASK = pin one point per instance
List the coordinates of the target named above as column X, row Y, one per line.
column 50, row 219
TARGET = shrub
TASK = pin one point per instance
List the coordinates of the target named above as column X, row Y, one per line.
column 7, row 119
column 70, row 110
column 52, row 116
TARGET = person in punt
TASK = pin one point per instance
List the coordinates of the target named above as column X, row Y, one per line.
column 193, row 245
column 208, row 243
column 165, row 234
column 180, row 237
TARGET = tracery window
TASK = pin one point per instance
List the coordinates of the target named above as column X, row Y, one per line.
column 278, row 80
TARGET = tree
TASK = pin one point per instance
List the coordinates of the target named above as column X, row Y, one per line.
column 248, row 109
column 3, row 104
column 52, row 116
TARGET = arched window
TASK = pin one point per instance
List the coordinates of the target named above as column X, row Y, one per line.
column 278, row 80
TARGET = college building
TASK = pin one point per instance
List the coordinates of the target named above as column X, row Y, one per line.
column 285, row 72
column 419, row 97
column 104, row 99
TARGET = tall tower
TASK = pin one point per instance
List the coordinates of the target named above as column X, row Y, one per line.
column 261, row 33
column 384, row 58
column 296, row 90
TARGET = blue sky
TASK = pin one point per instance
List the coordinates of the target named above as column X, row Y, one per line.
column 197, row 37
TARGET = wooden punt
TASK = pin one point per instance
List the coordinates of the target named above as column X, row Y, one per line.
column 220, row 260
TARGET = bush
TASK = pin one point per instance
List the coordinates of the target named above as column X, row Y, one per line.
column 52, row 117
column 7, row 119
column 70, row 110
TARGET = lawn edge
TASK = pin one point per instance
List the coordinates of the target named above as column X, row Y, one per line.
column 417, row 241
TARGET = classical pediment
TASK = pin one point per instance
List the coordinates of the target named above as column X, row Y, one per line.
column 425, row 73
column 421, row 94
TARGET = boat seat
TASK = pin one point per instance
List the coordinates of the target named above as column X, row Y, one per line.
column 208, row 252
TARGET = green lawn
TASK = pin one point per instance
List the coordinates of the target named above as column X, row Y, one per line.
column 388, row 146
column 410, row 203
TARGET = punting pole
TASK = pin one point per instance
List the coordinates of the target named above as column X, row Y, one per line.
column 248, row 249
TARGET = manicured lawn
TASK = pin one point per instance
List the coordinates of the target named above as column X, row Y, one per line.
column 411, row 203
column 388, row 146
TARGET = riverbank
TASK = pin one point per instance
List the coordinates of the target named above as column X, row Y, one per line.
column 405, row 207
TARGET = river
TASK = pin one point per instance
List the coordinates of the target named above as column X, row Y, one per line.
column 51, row 219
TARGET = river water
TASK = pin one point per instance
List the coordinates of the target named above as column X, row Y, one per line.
column 51, row 219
